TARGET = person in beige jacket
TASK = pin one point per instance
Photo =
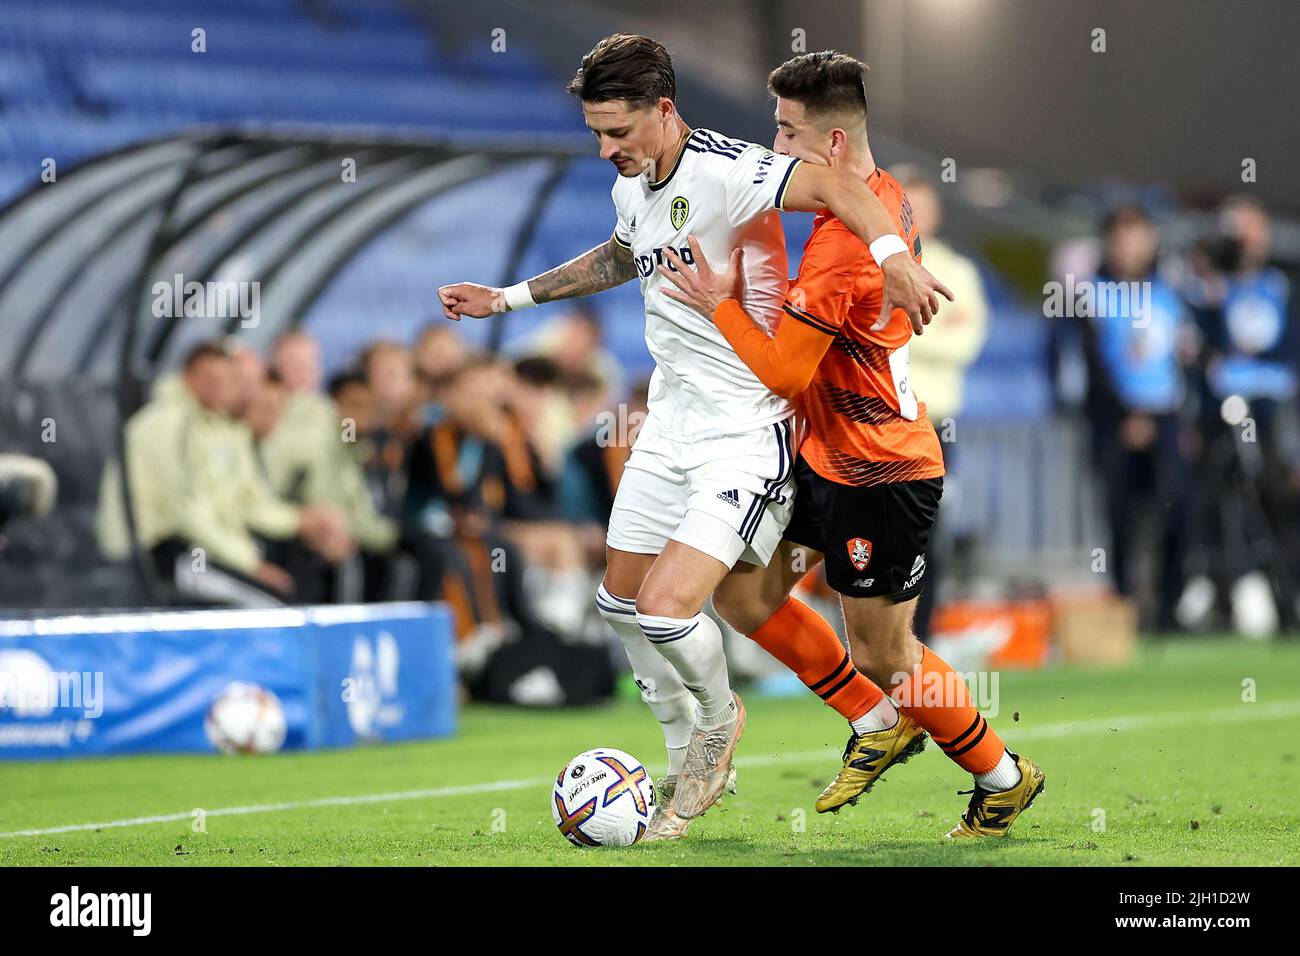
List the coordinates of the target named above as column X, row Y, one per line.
column 202, row 508
column 313, row 455
column 940, row 358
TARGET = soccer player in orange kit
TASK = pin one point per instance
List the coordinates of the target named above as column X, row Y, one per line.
column 869, row 471
column 707, row 485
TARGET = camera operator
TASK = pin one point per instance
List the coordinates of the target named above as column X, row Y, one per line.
column 1249, row 465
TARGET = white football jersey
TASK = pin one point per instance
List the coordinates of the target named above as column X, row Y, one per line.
column 724, row 192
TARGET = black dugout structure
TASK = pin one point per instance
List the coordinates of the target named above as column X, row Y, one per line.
column 85, row 327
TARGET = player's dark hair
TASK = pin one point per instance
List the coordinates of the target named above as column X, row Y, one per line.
column 824, row 82
column 628, row 67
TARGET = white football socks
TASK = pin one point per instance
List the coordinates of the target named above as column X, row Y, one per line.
column 661, row 687
column 1002, row 777
column 880, row 717
column 694, row 647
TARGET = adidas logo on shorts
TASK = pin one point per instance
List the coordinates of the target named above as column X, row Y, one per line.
column 731, row 497
column 918, row 569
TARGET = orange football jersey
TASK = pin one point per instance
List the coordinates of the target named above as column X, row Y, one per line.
column 865, row 425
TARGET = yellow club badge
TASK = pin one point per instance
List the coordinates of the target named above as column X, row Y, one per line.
column 678, row 212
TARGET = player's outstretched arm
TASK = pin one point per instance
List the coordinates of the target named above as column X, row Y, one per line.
column 596, row 270
column 908, row 285
column 784, row 362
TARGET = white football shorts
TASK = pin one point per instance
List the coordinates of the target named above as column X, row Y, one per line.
column 730, row 497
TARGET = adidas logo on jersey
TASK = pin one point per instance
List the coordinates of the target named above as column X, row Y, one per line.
column 731, row 497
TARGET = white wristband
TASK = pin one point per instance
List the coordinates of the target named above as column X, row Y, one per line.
column 886, row 246
column 518, row 297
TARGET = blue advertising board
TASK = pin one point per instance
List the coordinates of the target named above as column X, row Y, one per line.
column 127, row 683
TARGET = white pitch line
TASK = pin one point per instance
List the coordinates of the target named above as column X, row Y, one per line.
column 293, row 805
column 1226, row 715
column 1241, row 713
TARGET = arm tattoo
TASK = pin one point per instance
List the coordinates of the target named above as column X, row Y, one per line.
column 594, row 271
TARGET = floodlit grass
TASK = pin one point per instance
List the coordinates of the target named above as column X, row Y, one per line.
column 1161, row 763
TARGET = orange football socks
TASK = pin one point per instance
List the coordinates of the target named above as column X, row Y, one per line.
column 936, row 697
column 800, row 638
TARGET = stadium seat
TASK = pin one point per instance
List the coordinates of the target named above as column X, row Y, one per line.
column 81, row 77
column 69, row 32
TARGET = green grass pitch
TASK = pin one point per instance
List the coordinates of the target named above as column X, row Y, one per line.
column 1161, row 763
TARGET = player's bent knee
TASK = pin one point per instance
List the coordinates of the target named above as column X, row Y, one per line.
column 658, row 597
column 747, row 602
column 746, row 613
column 662, row 604
column 662, row 598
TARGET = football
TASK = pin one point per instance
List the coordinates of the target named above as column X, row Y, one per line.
column 245, row 718
column 603, row 797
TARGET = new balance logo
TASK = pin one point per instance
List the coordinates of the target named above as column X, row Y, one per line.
column 866, row 761
column 864, row 582
column 996, row 817
column 731, row 497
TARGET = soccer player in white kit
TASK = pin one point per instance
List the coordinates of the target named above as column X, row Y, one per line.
column 708, row 481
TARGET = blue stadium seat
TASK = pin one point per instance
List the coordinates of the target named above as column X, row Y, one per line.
column 350, row 12
column 24, row 80
column 80, row 77
column 15, row 179
column 26, row 138
column 247, row 93
column 68, row 32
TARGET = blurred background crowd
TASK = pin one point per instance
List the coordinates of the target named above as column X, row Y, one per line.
column 1115, row 387
column 423, row 470
column 431, row 470
column 1191, row 401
